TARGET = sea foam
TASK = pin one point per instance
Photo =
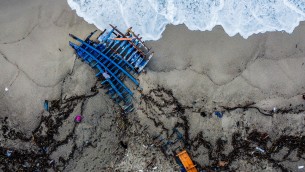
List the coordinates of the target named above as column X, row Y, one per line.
column 150, row 17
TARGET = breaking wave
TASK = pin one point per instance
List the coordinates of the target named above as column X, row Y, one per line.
column 150, row 17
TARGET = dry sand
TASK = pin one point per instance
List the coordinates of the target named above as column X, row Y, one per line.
column 191, row 75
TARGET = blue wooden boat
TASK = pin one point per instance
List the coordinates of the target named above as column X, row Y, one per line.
column 115, row 56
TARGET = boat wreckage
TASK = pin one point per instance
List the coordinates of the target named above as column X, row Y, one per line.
column 115, row 56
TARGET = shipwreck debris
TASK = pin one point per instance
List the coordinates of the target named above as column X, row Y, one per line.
column 186, row 161
column 219, row 114
column 260, row 149
column 46, row 105
column 9, row 153
column 115, row 56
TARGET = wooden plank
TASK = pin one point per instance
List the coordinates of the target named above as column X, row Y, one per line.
column 122, row 39
column 129, row 30
column 187, row 162
column 124, row 36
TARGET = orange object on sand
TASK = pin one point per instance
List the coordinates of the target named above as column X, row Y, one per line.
column 122, row 39
column 187, row 162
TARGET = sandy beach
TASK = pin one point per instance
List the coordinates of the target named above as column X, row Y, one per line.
column 256, row 83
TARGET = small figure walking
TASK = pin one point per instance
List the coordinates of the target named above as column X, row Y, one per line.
column 78, row 118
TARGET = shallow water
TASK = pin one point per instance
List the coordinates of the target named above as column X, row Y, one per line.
column 150, row 17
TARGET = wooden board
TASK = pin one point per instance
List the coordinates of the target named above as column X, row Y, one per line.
column 187, row 162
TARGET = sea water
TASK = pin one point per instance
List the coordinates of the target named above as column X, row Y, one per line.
column 150, row 17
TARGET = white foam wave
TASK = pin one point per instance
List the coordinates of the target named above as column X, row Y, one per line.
column 150, row 17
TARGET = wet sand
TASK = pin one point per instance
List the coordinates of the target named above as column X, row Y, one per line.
column 192, row 75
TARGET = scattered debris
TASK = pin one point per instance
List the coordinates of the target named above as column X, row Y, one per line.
column 78, row 118
column 27, row 160
column 218, row 114
column 222, row 163
column 187, row 161
column 260, row 149
column 52, row 162
column 274, row 109
column 39, row 159
column 46, row 105
column 9, row 153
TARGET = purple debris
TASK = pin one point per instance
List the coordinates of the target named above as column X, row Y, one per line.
column 78, row 118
